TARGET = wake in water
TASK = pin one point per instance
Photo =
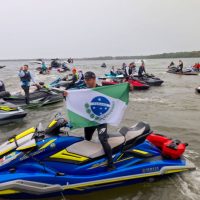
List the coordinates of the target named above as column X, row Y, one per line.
column 150, row 100
column 189, row 183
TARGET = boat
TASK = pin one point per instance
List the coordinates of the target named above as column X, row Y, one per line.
column 136, row 84
column 48, row 162
column 40, row 97
column 197, row 90
column 174, row 70
column 10, row 113
column 2, row 66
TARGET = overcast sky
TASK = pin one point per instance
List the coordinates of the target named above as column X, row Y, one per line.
column 87, row 28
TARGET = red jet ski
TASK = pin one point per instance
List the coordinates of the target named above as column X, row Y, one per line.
column 136, row 84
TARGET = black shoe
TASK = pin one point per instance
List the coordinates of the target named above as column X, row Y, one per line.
column 111, row 167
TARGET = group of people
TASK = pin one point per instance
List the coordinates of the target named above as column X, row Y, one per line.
column 130, row 70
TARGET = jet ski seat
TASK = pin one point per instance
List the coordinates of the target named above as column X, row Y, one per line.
column 134, row 131
column 93, row 150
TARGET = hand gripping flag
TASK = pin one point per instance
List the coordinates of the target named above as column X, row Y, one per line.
column 100, row 105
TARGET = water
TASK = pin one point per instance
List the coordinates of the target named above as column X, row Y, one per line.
column 173, row 109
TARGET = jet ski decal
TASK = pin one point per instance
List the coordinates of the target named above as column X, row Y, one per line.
column 65, row 155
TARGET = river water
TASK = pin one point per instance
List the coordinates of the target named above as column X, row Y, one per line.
column 172, row 109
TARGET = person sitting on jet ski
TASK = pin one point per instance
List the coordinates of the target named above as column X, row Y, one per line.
column 141, row 69
column 103, row 65
column 112, row 71
column 171, row 65
column 124, row 66
column 2, row 86
column 43, row 68
column 130, row 69
column 26, row 77
column 180, row 66
column 90, row 81
column 64, row 65
column 80, row 77
column 73, row 80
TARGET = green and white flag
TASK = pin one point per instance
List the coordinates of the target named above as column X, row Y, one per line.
column 90, row 107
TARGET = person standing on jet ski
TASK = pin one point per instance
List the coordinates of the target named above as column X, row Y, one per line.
column 25, row 78
column 90, row 81
column 141, row 70
column 180, row 66
column 2, row 86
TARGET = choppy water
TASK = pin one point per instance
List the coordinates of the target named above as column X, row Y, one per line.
column 173, row 109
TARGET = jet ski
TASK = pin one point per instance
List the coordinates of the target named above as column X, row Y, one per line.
column 41, row 163
column 10, row 113
column 2, row 66
column 136, row 84
column 40, row 97
column 175, row 70
column 150, row 80
column 55, row 63
column 59, row 83
column 198, row 90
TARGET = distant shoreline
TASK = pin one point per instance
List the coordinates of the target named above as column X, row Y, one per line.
column 191, row 54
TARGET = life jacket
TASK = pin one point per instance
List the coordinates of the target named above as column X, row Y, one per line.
column 26, row 78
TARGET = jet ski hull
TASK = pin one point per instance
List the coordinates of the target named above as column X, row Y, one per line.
column 34, row 166
column 38, row 98
column 183, row 73
column 10, row 113
column 137, row 85
column 41, row 185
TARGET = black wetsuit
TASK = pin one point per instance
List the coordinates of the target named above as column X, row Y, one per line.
column 141, row 71
column 103, row 137
column 181, row 67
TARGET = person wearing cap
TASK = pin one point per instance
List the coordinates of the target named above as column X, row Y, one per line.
column 90, row 81
column 72, row 81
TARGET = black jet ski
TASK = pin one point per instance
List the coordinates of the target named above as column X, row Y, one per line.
column 175, row 70
column 10, row 112
column 55, row 63
column 198, row 90
column 2, row 66
column 40, row 97
column 151, row 80
column 41, row 163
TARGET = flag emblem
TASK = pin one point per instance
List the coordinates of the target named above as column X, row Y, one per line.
column 99, row 107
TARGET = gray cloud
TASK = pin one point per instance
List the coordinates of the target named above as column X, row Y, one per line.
column 85, row 28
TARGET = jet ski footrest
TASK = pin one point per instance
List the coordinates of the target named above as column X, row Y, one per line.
column 31, row 187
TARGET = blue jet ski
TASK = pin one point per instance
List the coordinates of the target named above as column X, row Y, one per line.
column 41, row 163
